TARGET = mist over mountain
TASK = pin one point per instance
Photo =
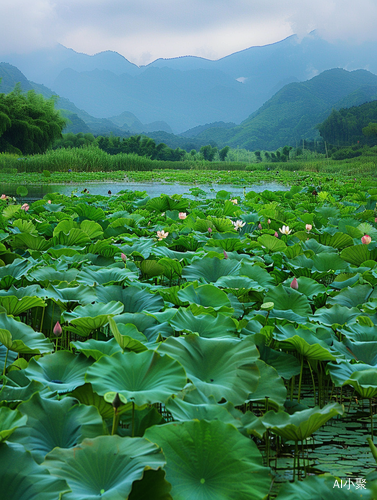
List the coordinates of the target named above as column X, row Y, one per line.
column 187, row 92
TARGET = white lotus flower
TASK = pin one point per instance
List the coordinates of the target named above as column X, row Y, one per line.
column 238, row 224
column 161, row 235
column 285, row 230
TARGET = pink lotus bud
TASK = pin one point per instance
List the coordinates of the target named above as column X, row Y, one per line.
column 123, row 257
column 366, row 239
column 276, row 235
column 259, row 226
column 225, row 254
column 268, row 221
column 375, row 219
column 294, row 284
column 49, row 202
column 308, row 227
column 182, row 215
column 209, row 230
column 25, row 207
column 3, row 197
column 57, row 329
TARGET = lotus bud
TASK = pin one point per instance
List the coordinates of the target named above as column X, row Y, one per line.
column 375, row 219
column 210, row 230
column 259, row 226
column 366, row 239
column 294, row 284
column 225, row 254
column 268, row 221
column 25, row 207
column 49, row 202
column 123, row 257
column 57, row 331
column 276, row 235
column 116, row 402
column 308, row 227
column 3, row 197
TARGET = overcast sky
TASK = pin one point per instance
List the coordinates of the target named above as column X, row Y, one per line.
column 144, row 30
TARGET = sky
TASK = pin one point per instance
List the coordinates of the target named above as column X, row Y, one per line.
column 145, row 30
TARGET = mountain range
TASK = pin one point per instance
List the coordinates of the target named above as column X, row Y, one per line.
column 245, row 99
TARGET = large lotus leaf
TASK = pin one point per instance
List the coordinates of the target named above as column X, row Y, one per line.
column 335, row 315
column 86, row 396
column 285, row 299
column 92, row 229
column 15, row 306
column 49, row 275
column 52, row 423
column 285, row 364
column 10, row 357
column 337, row 240
column 99, row 276
column 66, row 297
column 209, row 270
column 342, row 371
column 128, row 337
column 97, row 348
column 62, row 371
column 21, row 338
column 92, row 316
column 366, row 352
column 344, row 279
column 301, row 424
column 104, row 467
column 143, row 378
column 227, row 242
column 258, row 274
column 75, row 237
column 18, row 387
column 13, row 272
column 270, row 387
column 142, row 247
column 329, row 262
column 358, row 254
column 21, row 478
column 9, row 421
column 133, row 298
column 211, row 461
column 206, row 296
column 31, row 242
column 204, row 325
column 305, row 342
column 307, row 286
column 324, row 488
column 360, row 333
column 271, row 243
column 352, row 297
column 238, row 285
column 146, row 324
column 364, row 382
column 219, row 367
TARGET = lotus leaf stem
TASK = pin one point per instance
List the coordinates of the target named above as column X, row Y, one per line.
column 5, row 362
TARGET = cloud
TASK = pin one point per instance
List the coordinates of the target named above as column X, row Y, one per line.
column 143, row 30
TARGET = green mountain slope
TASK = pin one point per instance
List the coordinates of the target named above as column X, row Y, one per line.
column 294, row 112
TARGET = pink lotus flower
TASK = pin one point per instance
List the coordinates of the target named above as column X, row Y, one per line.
column 294, row 284
column 123, row 257
column 49, row 202
column 57, row 329
column 225, row 254
column 25, row 207
column 3, row 197
column 276, row 235
column 308, row 227
column 182, row 215
column 366, row 239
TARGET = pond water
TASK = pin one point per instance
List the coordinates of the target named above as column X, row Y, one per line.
column 152, row 189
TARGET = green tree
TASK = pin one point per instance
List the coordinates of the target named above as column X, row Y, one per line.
column 29, row 123
column 208, row 152
column 223, row 153
column 370, row 130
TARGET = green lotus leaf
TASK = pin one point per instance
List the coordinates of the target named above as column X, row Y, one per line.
column 360, row 333
column 49, row 275
column 66, row 297
column 207, row 459
column 324, row 487
column 338, row 240
column 270, row 387
column 9, row 421
column 229, row 242
column 142, row 247
column 52, row 423
column 285, row 364
column 172, row 267
column 335, row 315
column 238, row 285
column 62, row 371
column 206, row 296
column 86, row 396
column 104, row 467
column 134, row 299
column 11, row 273
column 258, row 274
column 143, row 378
column 104, row 276
column 271, row 243
column 97, row 348
column 204, row 325
column 10, row 356
column 19, row 337
column 352, row 297
column 17, row 387
column 301, row 424
column 145, row 324
column 219, row 367
column 92, row 229
column 75, row 237
column 307, row 286
column 285, row 299
column 15, row 306
column 365, row 352
column 23, row 479
column 358, row 254
column 343, row 370
column 329, row 262
column 364, row 382
column 209, row 270
column 128, row 337
column 31, row 242
column 92, row 316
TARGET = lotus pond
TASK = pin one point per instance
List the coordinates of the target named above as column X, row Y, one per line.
column 177, row 348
